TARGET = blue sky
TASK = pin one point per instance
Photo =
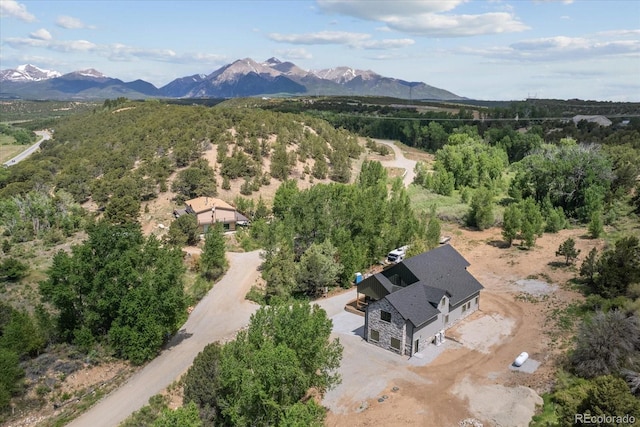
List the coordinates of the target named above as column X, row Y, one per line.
column 494, row 49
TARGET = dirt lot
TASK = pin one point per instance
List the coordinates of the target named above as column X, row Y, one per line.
column 470, row 377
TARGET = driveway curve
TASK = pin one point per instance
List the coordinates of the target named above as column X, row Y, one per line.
column 218, row 317
column 399, row 162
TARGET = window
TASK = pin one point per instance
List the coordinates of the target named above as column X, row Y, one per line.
column 477, row 299
column 395, row 343
column 443, row 301
column 374, row 335
column 446, row 319
column 464, row 308
column 385, row 316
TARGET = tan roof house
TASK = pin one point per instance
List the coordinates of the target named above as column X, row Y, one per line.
column 209, row 210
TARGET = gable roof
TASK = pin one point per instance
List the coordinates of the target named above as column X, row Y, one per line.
column 202, row 204
column 416, row 285
column 411, row 302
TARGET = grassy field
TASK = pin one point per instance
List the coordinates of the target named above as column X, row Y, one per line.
column 8, row 149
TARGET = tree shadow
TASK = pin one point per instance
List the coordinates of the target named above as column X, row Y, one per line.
column 558, row 264
column 500, row 244
column 180, row 336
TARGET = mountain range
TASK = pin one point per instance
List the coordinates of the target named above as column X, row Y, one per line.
column 241, row 78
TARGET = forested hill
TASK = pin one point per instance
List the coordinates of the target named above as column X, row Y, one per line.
column 130, row 149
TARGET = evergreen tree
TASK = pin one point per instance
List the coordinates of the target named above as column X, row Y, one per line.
column 568, row 250
column 433, row 230
column 213, row 261
column 595, row 225
column 511, row 223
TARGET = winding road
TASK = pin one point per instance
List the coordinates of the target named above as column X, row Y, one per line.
column 44, row 135
column 218, row 317
column 399, row 162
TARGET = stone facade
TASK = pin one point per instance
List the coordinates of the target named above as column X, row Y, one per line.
column 404, row 331
column 395, row 328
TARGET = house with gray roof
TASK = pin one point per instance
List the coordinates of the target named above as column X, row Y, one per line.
column 411, row 304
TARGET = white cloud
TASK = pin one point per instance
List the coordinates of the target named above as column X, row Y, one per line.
column 297, row 53
column 41, row 34
column 560, row 48
column 16, row 10
column 383, row 10
column 115, row 52
column 353, row 40
column 71, row 23
column 457, row 25
column 322, row 37
column 427, row 17
column 386, row 44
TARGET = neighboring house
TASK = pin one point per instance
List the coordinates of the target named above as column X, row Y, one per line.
column 411, row 304
column 209, row 210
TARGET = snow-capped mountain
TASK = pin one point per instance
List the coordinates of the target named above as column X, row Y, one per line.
column 31, row 82
column 342, row 75
column 241, row 78
column 27, row 73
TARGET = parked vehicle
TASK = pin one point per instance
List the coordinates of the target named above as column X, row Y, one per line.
column 397, row 255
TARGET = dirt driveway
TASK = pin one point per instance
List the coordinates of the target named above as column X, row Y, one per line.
column 469, row 376
column 400, row 161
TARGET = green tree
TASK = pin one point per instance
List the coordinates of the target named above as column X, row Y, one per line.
column 568, row 250
column 261, row 377
column 318, row 269
column 121, row 210
column 185, row 416
column 618, row 268
column 532, row 223
column 432, row 235
column 213, row 261
column 11, row 375
column 117, row 287
column 280, row 167
column 589, row 267
column 184, row 231
column 21, row 333
column 13, row 270
column 575, row 177
column 596, row 228
column 606, row 344
column 511, row 223
column 201, row 382
column 480, row 214
column 609, row 396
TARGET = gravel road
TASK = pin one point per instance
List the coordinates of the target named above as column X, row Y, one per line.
column 220, row 314
column 399, row 162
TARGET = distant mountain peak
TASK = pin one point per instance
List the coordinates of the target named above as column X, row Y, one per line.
column 344, row 74
column 27, row 73
column 272, row 61
column 90, row 72
column 243, row 77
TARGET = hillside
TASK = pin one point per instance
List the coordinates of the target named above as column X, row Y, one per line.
column 139, row 148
